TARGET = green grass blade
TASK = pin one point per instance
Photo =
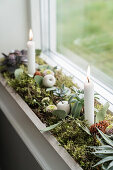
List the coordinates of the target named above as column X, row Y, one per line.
column 103, row 152
column 85, row 129
column 106, row 138
column 110, row 165
column 51, row 88
column 101, row 147
column 51, row 127
column 109, row 158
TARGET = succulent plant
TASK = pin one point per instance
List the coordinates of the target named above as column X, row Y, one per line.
column 62, row 92
column 102, row 125
column 13, row 60
column 104, row 152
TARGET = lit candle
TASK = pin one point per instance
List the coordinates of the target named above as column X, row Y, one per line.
column 31, row 54
column 89, row 99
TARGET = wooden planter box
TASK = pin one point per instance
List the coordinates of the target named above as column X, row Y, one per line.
column 43, row 146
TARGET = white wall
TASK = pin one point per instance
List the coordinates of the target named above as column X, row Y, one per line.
column 35, row 21
column 14, row 24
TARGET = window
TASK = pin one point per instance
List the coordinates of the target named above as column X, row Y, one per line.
column 85, row 35
column 76, row 33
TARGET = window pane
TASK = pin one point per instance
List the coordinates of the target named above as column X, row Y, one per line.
column 85, row 35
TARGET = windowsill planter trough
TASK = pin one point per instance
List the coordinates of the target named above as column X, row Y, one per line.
column 43, row 146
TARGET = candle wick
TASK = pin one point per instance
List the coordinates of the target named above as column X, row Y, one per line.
column 88, row 79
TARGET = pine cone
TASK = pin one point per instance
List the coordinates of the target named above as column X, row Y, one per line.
column 102, row 125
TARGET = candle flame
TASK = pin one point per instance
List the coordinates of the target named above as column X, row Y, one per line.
column 30, row 35
column 88, row 74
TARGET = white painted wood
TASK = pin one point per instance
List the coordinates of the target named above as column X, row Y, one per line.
column 53, row 28
column 43, row 146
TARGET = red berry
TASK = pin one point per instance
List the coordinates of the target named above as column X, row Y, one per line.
column 37, row 73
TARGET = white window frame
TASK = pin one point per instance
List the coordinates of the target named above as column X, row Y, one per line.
column 47, row 24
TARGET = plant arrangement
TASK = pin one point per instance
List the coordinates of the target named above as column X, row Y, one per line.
column 13, row 60
column 59, row 103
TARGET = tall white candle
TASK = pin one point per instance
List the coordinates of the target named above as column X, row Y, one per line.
column 31, row 54
column 89, row 99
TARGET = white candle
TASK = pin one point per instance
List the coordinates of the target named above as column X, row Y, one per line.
column 31, row 54
column 64, row 105
column 89, row 99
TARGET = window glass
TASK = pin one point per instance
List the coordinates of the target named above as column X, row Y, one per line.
column 85, row 35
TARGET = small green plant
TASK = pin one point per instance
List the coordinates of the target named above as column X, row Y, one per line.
column 12, row 61
column 77, row 102
column 38, row 79
column 60, row 92
column 18, row 72
column 104, row 152
column 100, row 115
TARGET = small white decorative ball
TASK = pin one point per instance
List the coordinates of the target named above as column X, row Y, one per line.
column 49, row 80
column 64, row 105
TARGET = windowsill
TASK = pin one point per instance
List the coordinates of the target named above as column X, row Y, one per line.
column 106, row 94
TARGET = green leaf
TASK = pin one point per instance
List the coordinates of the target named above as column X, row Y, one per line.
column 63, row 86
column 100, row 116
column 60, row 113
column 73, row 107
column 79, row 108
column 101, row 147
column 106, row 138
column 38, row 79
column 110, row 165
column 73, row 101
column 84, row 128
column 104, row 152
column 108, row 158
column 76, row 108
column 18, row 72
column 51, row 127
column 51, row 89
column 101, row 156
column 104, row 167
column 67, row 91
column 71, row 98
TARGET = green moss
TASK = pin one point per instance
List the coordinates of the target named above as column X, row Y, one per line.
column 63, row 79
column 76, row 142
column 40, row 61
